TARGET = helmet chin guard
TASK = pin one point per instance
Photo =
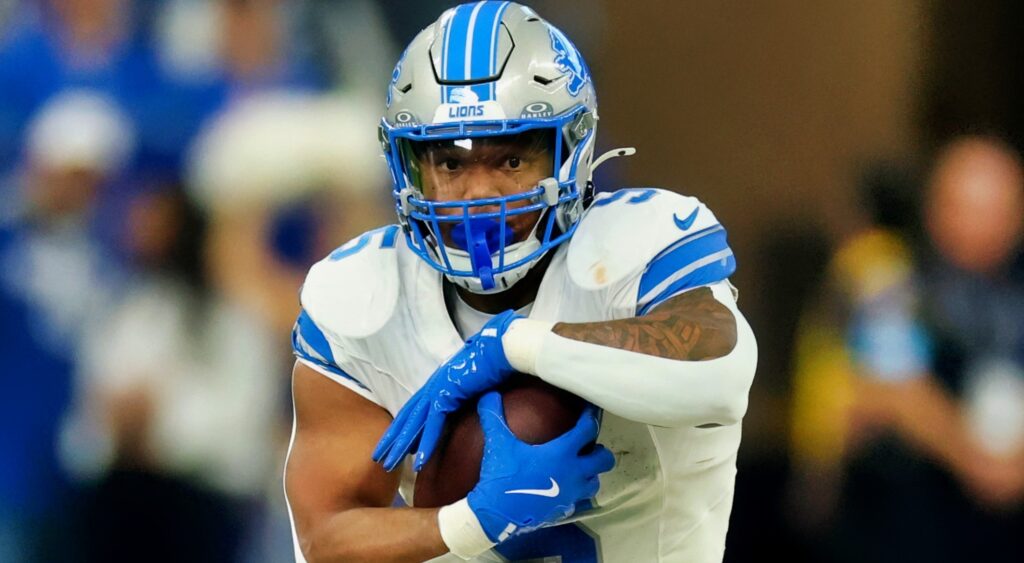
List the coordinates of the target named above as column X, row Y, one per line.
column 487, row 282
column 489, row 70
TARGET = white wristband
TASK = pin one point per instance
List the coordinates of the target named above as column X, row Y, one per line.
column 522, row 341
column 461, row 530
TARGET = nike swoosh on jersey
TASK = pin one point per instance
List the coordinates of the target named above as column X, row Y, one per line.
column 551, row 491
column 685, row 224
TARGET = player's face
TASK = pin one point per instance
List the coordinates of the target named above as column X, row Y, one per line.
column 488, row 167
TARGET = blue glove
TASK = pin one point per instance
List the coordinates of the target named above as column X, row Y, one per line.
column 478, row 367
column 524, row 487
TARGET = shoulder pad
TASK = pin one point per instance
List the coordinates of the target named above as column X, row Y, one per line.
column 353, row 291
column 623, row 230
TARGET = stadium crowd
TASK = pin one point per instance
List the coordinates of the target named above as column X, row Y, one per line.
column 167, row 169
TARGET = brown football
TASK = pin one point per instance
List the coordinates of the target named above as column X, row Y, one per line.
column 536, row 412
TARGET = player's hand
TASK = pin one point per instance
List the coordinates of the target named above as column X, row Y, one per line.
column 523, row 487
column 478, row 367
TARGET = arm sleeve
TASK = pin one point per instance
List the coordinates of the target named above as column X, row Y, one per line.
column 647, row 389
column 651, row 245
column 311, row 347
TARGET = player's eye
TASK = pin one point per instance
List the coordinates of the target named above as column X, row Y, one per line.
column 451, row 164
column 514, row 162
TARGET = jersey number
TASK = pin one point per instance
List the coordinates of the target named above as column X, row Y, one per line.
column 568, row 543
column 386, row 241
column 638, row 196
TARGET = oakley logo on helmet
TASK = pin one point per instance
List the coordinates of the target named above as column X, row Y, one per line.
column 538, row 109
column 569, row 61
column 405, row 118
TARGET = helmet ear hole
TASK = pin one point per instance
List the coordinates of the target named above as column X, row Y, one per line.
column 588, row 195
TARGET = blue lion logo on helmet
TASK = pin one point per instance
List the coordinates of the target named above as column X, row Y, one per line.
column 394, row 78
column 569, row 61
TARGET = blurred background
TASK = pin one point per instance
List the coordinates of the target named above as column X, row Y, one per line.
column 170, row 169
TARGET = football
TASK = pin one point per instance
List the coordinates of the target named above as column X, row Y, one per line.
column 536, row 412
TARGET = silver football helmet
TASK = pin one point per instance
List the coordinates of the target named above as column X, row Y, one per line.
column 481, row 71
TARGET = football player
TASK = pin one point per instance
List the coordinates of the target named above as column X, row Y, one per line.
column 504, row 261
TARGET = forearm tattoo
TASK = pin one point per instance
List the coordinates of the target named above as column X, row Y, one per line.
column 692, row 326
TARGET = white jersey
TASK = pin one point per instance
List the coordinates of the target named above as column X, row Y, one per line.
column 374, row 320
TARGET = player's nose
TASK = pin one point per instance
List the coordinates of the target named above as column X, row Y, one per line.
column 482, row 182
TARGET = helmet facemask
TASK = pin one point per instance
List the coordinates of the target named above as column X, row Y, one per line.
column 481, row 204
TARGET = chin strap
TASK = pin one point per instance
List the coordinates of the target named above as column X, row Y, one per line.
column 623, row 151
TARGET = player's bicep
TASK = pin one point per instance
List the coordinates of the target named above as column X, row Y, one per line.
column 329, row 469
column 703, row 327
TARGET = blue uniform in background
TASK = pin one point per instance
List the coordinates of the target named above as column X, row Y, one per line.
column 37, row 387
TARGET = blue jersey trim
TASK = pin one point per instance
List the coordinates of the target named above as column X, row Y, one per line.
column 310, row 344
column 714, row 272
column 681, row 254
column 569, row 543
column 306, row 332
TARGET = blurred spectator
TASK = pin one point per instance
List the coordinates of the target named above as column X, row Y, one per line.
column 170, row 65
column 178, row 393
column 211, row 54
column 236, row 47
column 55, row 282
column 873, row 266
column 276, row 173
column 182, row 388
column 273, row 173
column 58, row 45
column 974, row 295
column 909, row 405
